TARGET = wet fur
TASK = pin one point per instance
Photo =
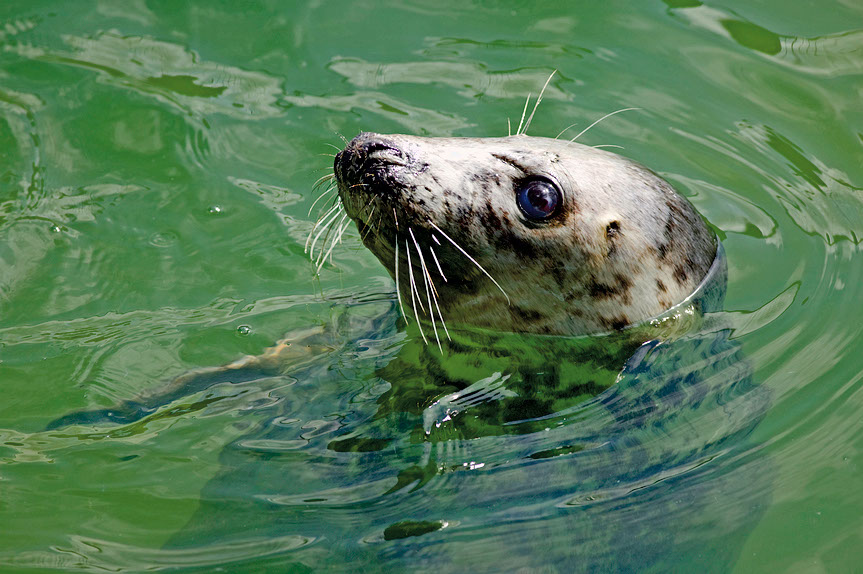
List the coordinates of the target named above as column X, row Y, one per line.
column 624, row 248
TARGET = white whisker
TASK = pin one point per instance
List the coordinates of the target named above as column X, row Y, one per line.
column 434, row 256
column 566, row 129
column 536, row 105
column 320, row 197
column 322, row 224
column 336, row 237
column 322, row 179
column 599, row 120
column 369, row 226
column 426, row 280
column 608, row 145
column 523, row 113
column 414, row 291
column 398, row 291
column 336, row 210
column 414, row 288
column 474, row 261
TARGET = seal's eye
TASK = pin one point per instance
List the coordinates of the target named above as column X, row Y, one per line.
column 539, row 199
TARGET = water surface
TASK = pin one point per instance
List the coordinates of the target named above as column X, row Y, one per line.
column 156, row 171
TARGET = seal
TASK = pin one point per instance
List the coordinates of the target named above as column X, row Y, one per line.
column 522, row 233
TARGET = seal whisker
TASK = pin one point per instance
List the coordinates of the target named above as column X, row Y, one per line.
column 326, row 214
column 414, row 288
column 421, row 256
column 325, row 227
column 426, row 280
column 608, row 145
column 335, row 147
column 398, row 291
column 365, row 209
column 370, row 227
column 318, row 223
column 536, row 105
column 566, row 129
column 474, row 261
column 380, row 219
column 523, row 113
column 336, row 238
column 434, row 256
column 413, row 291
column 600, row 119
column 435, row 294
column 323, row 178
column 329, row 190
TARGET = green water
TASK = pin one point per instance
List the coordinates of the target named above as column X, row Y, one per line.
column 157, row 161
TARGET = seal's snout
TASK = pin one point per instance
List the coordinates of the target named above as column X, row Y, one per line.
column 366, row 156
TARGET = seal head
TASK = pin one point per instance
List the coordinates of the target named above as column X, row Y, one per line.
column 523, row 233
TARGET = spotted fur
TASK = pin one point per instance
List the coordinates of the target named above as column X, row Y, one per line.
column 624, row 247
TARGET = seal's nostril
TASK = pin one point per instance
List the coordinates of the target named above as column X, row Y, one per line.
column 380, row 149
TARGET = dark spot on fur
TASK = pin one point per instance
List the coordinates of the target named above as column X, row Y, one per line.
column 618, row 323
column 620, row 288
column 680, row 274
column 560, row 277
column 689, row 264
column 670, row 226
column 464, row 212
column 489, row 218
column 612, row 232
column 664, row 249
column 525, row 315
column 599, row 290
column 623, row 282
column 661, row 286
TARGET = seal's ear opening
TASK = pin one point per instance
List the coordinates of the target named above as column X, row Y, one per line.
column 612, row 230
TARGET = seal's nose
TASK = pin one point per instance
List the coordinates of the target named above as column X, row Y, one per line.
column 363, row 151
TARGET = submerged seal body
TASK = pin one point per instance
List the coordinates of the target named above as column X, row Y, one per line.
column 522, row 233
